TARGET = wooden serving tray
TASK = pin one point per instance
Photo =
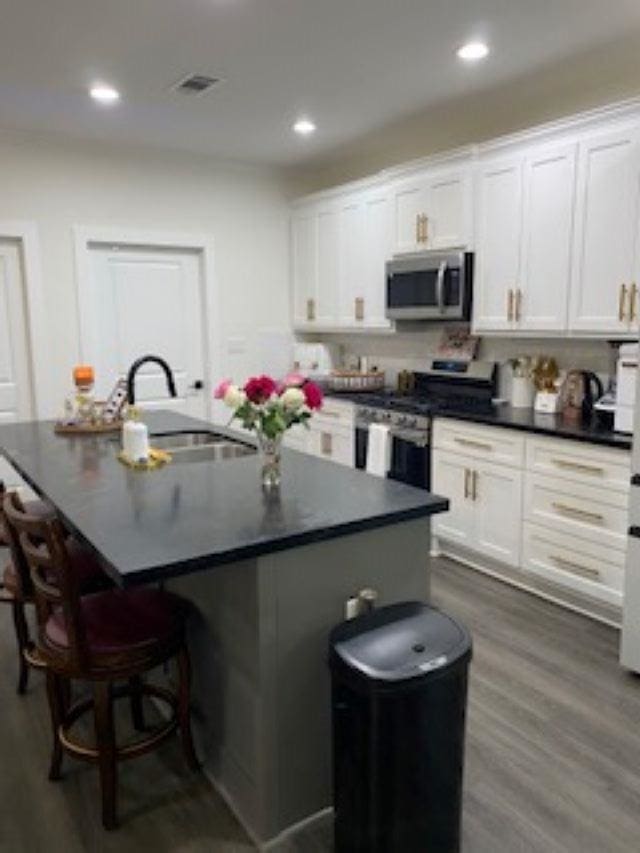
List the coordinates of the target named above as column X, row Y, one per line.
column 87, row 429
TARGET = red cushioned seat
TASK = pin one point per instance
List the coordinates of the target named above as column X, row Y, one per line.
column 119, row 620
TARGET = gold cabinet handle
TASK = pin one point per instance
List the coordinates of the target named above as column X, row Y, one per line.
column 578, row 466
column 326, row 443
column 418, row 228
column 621, row 302
column 467, row 474
column 469, row 442
column 425, row 228
column 358, row 308
column 576, row 512
column 311, row 309
column 474, row 485
column 518, row 306
column 633, row 302
column 575, row 568
column 510, row 304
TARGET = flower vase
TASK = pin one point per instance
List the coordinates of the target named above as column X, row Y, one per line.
column 270, row 449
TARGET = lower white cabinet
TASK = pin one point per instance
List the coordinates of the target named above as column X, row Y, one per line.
column 554, row 510
column 330, row 434
column 486, row 505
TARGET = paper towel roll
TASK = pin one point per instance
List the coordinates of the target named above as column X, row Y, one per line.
column 379, row 450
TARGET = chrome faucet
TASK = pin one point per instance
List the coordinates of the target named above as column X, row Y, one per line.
column 137, row 364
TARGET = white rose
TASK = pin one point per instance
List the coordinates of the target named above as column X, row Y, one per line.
column 292, row 398
column 234, row 397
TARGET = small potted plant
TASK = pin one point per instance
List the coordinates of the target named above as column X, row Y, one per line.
column 269, row 408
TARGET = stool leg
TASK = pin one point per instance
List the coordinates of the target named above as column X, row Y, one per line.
column 23, row 640
column 137, row 711
column 56, row 708
column 106, row 745
column 184, row 715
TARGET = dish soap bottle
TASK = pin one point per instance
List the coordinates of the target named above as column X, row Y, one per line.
column 135, row 437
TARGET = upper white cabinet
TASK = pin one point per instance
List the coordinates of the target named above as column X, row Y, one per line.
column 433, row 210
column 524, row 236
column 604, row 293
column 498, row 237
column 304, row 257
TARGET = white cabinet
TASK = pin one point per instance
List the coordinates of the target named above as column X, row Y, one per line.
column 315, row 261
column 525, row 230
column 433, row 210
column 545, row 261
column 498, row 238
column 604, row 292
column 486, row 505
column 304, row 251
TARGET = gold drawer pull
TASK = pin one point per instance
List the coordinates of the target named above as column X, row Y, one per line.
column 326, row 443
column 518, row 306
column 633, row 297
column 359, row 308
column 510, row 305
column 576, row 568
column 474, row 484
column 328, row 413
column 311, row 309
column 469, row 442
column 578, row 466
column 565, row 509
column 467, row 474
column 621, row 302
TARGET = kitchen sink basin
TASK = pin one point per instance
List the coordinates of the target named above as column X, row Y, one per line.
column 200, row 446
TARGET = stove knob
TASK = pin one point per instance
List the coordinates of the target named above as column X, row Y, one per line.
column 386, row 416
column 402, row 420
column 412, row 422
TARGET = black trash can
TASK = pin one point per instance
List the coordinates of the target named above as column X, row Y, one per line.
column 399, row 693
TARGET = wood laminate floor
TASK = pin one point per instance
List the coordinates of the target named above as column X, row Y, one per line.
column 553, row 749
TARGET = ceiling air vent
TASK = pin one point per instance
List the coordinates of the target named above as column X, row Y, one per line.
column 195, row 84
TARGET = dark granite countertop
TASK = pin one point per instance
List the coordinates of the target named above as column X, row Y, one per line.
column 504, row 415
column 184, row 517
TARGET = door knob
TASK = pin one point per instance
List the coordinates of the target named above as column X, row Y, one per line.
column 198, row 385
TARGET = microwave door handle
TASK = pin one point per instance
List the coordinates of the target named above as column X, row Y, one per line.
column 440, row 285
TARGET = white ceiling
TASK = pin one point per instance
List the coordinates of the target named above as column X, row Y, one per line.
column 353, row 65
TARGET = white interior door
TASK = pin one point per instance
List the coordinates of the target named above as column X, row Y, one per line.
column 16, row 391
column 140, row 301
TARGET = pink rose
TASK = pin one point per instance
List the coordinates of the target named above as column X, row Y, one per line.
column 259, row 388
column 222, row 389
column 313, row 395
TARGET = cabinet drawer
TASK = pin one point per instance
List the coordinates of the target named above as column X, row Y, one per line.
column 579, row 462
column 582, row 512
column 335, row 445
column 334, row 413
column 587, row 568
column 504, row 446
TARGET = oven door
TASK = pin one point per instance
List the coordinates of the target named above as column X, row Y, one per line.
column 410, row 462
column 429, row 287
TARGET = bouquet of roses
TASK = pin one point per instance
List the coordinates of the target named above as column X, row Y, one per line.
column 269, row 407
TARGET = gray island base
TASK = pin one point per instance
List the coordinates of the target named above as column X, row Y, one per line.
column 268, row 575
column 261, row 695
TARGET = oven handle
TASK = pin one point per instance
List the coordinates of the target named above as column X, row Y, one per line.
column 440, row 285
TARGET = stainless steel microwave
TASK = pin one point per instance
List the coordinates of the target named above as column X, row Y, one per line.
column 430, row 286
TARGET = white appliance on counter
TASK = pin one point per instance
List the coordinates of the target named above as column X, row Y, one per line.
column 626, row 380
column 315, row 360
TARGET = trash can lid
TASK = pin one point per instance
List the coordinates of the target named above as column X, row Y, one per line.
column 400, row 642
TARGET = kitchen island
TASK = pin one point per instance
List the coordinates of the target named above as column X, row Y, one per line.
column 268, row 575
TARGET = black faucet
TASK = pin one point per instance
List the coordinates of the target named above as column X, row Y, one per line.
column 137, row 364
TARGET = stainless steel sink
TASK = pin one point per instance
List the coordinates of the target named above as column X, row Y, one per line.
column 201, row 446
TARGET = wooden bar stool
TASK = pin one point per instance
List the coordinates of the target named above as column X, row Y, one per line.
column 16, row 588
column 103, row 638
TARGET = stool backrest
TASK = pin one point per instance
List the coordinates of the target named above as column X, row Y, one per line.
column 54, row 582
column 15, row 548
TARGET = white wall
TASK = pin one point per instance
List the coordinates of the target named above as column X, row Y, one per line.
column 59, row 184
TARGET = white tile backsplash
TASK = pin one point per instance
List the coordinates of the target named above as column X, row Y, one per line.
column 409, row 350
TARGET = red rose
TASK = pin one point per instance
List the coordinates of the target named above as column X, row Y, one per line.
column 312, row 395
column 259, row 388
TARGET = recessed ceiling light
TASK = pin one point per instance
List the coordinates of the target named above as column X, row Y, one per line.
column 104, row 94
column 473, row 51
column 304, row 127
